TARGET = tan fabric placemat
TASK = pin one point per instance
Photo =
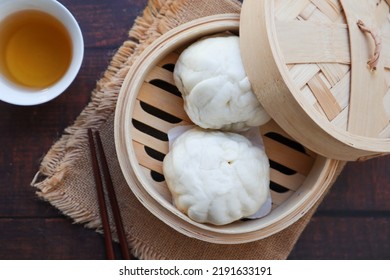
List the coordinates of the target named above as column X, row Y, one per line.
column 65, row 177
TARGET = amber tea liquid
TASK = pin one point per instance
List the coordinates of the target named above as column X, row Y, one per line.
column 35, row 49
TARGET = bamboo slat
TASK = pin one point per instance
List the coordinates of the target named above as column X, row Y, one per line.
column 289, row 9
column 324, row 97
column 331, row 8
column 328, row 42
column 159, row 97
column 159, row 73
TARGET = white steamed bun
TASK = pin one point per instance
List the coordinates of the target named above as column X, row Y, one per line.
column 216, row 91
column 216, row 177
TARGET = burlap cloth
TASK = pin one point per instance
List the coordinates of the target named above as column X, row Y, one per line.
column 65, row 176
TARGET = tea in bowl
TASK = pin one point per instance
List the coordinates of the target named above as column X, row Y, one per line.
column 41, row 50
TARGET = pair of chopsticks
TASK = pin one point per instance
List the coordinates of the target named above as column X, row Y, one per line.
column 95, row 151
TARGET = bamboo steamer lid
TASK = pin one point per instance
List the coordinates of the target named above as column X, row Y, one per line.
column 322, row 71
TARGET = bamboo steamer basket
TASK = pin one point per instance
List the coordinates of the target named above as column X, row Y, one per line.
column 327, row 64
column 149, row 105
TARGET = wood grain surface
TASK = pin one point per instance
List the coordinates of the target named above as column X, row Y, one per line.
column 353, row 222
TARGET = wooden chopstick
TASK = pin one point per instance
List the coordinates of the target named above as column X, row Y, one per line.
column 113, row 201
column 95, row 151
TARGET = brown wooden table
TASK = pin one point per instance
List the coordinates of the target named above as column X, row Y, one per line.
column 352, row 223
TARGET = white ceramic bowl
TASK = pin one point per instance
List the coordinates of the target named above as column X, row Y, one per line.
column 19, row 95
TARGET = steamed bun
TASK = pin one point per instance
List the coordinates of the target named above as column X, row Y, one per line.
column 216, row 91
column 216, row 177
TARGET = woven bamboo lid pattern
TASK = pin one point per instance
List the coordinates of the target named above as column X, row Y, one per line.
column 322, row 71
